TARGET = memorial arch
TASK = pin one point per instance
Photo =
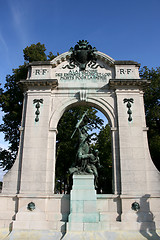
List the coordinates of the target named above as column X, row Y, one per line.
column 101, row 105
column 108, row 113
column 116, row 89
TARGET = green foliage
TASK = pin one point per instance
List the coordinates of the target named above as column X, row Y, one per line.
column 36, row 52
column 11, row 101
column 6, row 159
column 51, row 56
column 103, row 144
column 11, row 104
column 152, row 109
column 67, row 147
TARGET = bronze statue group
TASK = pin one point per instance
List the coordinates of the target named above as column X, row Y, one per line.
column 87, row 160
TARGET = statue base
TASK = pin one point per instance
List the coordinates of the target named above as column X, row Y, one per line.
column 83, row 205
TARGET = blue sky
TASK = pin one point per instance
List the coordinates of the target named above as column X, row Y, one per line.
column 124, row 30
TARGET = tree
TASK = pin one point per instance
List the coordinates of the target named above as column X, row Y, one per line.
column 103, row 144
column 36, row 52
column 11, row 101
column 7, row 157
column 67, row 147
column 152, row 110
column 11, row 104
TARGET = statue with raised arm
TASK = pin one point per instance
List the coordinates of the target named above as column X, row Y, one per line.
column 87, row 160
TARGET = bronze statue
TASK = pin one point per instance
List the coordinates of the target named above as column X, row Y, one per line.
column 87, row 160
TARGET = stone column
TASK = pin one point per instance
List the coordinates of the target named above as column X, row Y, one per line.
column 51, row 161
column 132, row 154
column 33, row 176
column 116, row 164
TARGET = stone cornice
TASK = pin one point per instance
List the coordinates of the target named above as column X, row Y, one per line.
column 25, row 84
column 128, row 82
column 101, row 56
column 126, row 62
column 65, row 56
column 59, row 59
column 37, row 63
column 104, row 57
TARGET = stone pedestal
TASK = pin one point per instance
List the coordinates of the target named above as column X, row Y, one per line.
column 83, row 205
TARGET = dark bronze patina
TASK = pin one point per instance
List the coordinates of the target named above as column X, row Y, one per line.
column 31, row 206
column 129, row 101
column 87, row 160
column 37, row 101
column 135, row 206
column 82, row 54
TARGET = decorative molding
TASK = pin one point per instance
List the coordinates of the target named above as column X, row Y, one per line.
column 105, row 58
column 59, row 59
column 129, row 101
column 129, row 82
column 53, row 83
column 82, row 54
column 83, row 95
column 65, row 57
column 135, row 206
column 37, row 101
column 31, row 206
column 123, row 62
column 37, row 63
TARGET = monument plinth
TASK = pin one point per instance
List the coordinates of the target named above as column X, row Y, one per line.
column 83, row 205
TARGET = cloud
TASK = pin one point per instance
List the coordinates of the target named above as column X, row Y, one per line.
column 16, row 13
column 17, row 9
column 2, row 40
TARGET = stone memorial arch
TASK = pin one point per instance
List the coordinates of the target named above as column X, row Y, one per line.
column 114, row 87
